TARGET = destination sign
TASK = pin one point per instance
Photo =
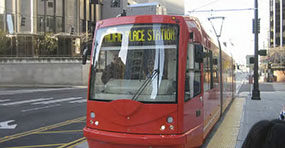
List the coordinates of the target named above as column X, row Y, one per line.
column 142, row 36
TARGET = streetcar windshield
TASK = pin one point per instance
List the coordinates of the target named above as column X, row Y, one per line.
column 135, row 62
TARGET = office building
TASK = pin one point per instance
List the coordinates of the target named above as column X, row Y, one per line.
column 277, row 23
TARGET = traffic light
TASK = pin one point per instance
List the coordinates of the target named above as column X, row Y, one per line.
column 71, row 30
column 23, row 21
column 262, row 52
column 253, row 26
column 251, row 60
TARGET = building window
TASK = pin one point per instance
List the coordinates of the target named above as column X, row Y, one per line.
column 59, row 24
column 50, row 4
column 115, row 3
column 277, row 41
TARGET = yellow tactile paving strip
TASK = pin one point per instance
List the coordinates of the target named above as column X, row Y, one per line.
column 226, row 135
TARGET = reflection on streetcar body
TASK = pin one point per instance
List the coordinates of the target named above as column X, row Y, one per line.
column 123, row 67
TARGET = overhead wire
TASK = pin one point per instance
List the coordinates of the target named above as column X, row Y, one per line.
column 222, row 10
column 205, row 5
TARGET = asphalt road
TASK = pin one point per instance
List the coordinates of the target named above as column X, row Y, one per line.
column 50, row 117
column 46, row 117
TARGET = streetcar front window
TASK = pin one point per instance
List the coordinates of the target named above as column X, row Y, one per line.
column 135, row 62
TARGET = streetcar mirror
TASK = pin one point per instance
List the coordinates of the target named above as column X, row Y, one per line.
column 199, row 53
column 84, row 56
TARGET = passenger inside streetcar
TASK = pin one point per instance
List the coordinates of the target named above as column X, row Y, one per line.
column 114, row 70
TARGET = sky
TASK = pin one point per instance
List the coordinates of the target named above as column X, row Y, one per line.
column 237, row 25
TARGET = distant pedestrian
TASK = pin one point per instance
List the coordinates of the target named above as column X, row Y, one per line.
column 266, row 134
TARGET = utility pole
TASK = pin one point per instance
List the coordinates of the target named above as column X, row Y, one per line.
column 5, row 15
column 45, row 13
column 255, row 91
column 218, row 35
column 16, row 14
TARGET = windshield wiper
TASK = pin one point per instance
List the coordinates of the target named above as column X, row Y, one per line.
column 145, row 83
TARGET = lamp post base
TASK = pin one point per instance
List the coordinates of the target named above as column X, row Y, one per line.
column 255, row 95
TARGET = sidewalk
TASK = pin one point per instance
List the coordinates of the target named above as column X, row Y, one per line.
column 272, row 97
column 242, row 114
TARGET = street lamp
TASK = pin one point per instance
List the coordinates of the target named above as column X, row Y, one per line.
column 255, row 91
column 218, row 35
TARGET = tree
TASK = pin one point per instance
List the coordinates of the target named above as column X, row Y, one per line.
column 48, row 45
column 3, row 43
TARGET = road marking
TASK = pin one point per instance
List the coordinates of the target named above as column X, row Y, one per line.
column 5, row 125
column 13, row 92
column 35, row 131
column 38, row 108
column 78, row 144
column 79, row 101
column 19, row 135
column 26, row 101
column 47, row 145
column 73, row 143
column 58, row 100
column 5, row 100
column 56, row 132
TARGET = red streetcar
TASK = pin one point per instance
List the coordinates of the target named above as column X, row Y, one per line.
column 154, row 83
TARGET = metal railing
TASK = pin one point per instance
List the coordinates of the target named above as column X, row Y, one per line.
column 33, row 45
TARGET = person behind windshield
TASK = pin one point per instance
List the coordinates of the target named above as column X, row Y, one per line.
column 114, row 70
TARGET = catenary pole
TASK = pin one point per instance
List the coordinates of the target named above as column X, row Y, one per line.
column 218, row 35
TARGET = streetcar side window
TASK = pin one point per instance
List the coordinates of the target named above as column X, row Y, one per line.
column 192, row 75
column 206, row 70
column 214, row 70
column 211, row 69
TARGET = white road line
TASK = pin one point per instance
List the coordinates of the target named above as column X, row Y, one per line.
column 59, row 100
column 13, row 92
column 5, row 100
column 38, row 108
column 26, row 101
column 78, row 101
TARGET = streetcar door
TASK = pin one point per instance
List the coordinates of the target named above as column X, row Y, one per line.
column 193, row 96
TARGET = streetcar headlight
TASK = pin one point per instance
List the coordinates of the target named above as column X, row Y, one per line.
column 92, row 115
column 162, row 128
column 170, row 119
